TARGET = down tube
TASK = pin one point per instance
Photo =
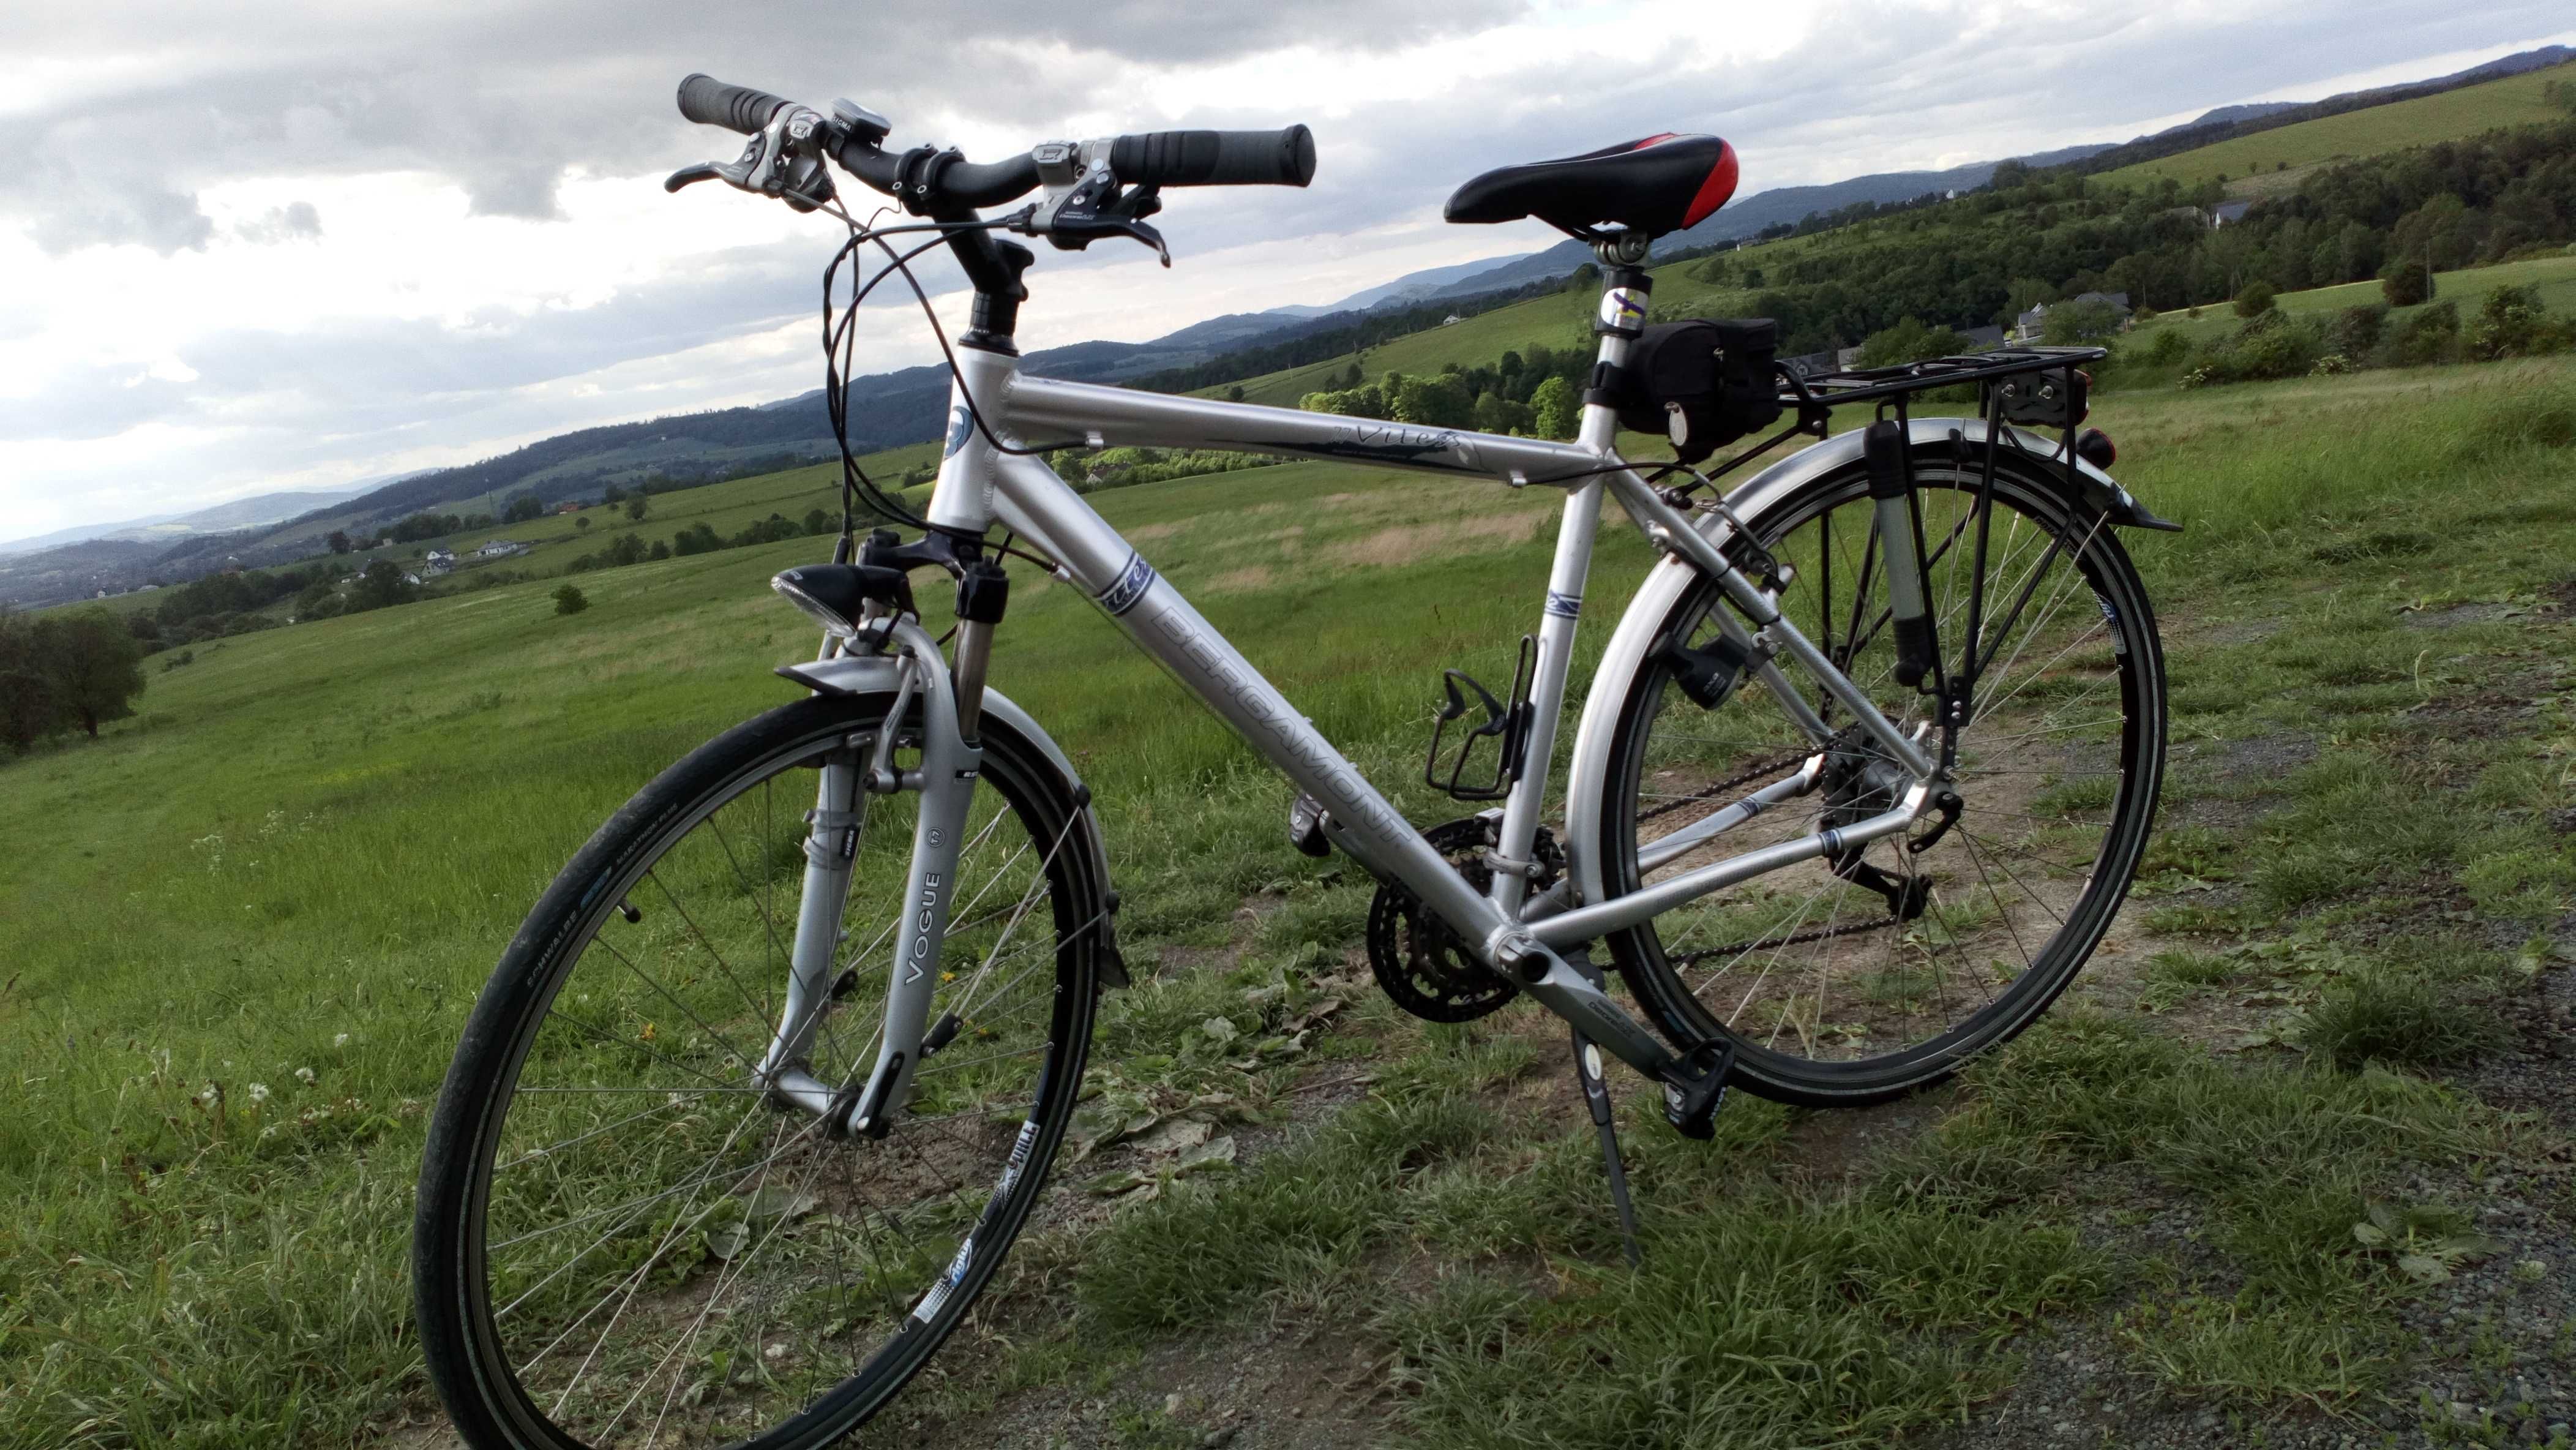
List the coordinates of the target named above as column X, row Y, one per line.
column 1038, row 504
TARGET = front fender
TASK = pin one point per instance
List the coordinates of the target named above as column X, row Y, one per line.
column 1589, row 769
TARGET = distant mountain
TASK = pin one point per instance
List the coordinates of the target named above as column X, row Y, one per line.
column 240, row 513
column 1411, row 287
column 2511, row 65
column 77, row 570
column 886, row 410
column 2230, row 115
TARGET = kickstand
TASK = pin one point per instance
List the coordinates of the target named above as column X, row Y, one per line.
column 1596, row 1096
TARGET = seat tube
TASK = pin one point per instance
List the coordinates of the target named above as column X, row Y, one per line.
column 1574, row 536
column 1623, row 315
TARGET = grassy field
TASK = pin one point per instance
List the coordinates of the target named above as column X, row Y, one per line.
column 2512, row 101
column 2467, row 290
column 296, row 866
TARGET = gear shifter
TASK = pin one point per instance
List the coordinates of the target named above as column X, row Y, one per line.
column 1095, row 207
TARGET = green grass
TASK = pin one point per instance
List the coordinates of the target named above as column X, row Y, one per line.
column 2512, row 101
column 308, row 849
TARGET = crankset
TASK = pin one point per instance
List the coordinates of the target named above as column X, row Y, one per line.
column 1420, row 962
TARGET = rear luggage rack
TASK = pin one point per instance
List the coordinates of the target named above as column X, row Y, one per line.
column 1847, row 386
column 2030, row 387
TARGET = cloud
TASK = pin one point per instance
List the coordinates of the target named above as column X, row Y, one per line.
column 505, row 101
column 297, row 220
column 498, row 262
column 163, row 220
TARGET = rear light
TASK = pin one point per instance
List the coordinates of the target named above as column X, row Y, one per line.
column 2095, row 447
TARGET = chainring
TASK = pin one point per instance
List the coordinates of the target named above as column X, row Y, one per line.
column 1418, row 960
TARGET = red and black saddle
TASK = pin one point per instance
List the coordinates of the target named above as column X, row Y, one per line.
column 1657, row 185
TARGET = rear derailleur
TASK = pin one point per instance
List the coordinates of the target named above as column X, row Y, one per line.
column 1862, row 780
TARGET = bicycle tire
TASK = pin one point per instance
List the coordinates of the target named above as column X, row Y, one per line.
column 482, row 1370
column 1811, row 1075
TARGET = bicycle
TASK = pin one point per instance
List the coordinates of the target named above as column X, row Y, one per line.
column 761, row 1093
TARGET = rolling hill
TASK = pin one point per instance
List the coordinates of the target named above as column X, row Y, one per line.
column 2386, row 124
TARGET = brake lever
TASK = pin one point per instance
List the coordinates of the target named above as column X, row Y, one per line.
column 1095, row 207
column 782, row 160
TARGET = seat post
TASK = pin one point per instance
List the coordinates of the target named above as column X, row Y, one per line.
column 1625, row 290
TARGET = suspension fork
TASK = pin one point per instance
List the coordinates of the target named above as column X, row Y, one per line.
column 945, row 780
column 832, row 832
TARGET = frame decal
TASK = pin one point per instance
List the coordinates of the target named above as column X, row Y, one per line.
column 1131, row 585
column 1372, row 442
column 1564, row 606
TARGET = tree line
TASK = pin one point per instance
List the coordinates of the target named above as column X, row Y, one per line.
column 2032, row 238
column 1538, row 394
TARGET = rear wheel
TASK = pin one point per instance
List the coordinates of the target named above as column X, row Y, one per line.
column 1854, row 978
column 622, row 1239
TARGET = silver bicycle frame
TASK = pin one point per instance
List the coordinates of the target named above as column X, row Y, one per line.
column 981, row 485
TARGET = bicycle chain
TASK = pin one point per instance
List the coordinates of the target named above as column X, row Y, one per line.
column 1795, row 939
column 1736, row 782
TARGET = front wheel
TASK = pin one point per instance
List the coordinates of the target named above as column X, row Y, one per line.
column 1855, row 977
column 622, row 1237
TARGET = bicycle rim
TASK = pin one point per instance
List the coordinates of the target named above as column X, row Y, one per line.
column 657, row 1254
column 1865, row 974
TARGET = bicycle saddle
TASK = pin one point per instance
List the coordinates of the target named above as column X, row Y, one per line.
column 1657, row 185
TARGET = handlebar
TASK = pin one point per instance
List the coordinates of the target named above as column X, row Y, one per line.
column 946, row 182
column 1215, row 158
column 710, row 102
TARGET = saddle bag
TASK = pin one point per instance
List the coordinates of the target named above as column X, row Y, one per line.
column 1702, row 384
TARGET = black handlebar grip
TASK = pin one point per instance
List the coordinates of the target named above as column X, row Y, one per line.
column 710, row 102
column 1215, row 158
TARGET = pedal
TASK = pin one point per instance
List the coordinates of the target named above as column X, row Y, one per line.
column 1306, row 827
column 1697, row 1089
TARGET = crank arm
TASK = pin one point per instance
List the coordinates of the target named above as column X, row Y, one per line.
column 1568, row 991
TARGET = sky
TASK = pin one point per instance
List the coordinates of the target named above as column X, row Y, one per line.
column 298, row 245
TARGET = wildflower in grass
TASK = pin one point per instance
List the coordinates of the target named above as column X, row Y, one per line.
column 340, row 1041
column 304, row 1075
column 259, row 1092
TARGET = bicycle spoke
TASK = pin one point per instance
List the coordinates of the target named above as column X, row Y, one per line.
column 658, row 1214
column 2043, row 766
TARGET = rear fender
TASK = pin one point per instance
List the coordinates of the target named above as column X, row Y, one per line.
column 2097, row 492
